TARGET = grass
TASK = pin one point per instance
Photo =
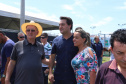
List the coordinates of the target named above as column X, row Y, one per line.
column 105, row 59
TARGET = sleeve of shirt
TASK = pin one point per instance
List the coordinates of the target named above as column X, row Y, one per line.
column 14, row 53
column 53, row 48
column 101, row 75
column 99, row 78
column 93, row 62
column 9, row 48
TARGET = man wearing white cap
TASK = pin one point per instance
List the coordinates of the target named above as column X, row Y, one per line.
column 27, row 56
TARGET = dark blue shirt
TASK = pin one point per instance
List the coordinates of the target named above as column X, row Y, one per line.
column 97, row 48
column 65, row 51
column 6, row 52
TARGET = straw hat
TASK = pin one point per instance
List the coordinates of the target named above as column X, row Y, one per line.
column 39, row 27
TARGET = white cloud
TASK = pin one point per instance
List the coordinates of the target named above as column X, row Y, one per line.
column 7, row 8
column 122, row 7
column 79, row 2
column 79, row 16
column 76, row 6
column 17, row 3
column 30, row 8
column 91, row 18
column 40, row 14
column 103, row 21
column 67, row 7
column 78, row 25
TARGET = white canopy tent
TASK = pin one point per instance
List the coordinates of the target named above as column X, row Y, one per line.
column 11, row 22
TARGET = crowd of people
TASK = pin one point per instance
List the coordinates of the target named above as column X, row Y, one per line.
column 71, row 59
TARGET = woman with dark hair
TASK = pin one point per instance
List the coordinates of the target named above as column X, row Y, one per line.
column 85, row 61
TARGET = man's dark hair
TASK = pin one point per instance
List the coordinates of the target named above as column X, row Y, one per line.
column 3, row 33
column 119, row 35
column 68, row 20
column 44, row 35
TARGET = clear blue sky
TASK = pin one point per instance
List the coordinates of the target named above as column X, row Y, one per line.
column 104, row 14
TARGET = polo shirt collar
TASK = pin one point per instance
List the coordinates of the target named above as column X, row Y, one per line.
column 68, row 38
column 26, row 42
column 113, row 65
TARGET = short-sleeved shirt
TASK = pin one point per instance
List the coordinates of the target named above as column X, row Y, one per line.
column 110, row 74
column 97, row 48
column 6, row 52
column 65, row 51
column 47, row 50
column 28, row 62
column 83, row 63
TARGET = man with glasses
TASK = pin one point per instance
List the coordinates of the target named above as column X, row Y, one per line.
column 21, row 36
column 47, row 50
column 27, row 56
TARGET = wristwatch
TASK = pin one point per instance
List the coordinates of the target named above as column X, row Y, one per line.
column 3, row 75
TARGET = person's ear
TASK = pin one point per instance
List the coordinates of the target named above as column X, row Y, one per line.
column 111, row 49
column 70, row 27
column 84, row 39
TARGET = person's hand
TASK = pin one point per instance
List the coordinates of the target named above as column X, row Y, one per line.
column 46, row 71
column 51, row 78
column 101, row 55
column 3, row 80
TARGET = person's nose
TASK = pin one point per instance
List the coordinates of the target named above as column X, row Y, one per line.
column 73, row 39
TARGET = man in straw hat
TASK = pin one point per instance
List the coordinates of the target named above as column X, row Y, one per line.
column 27, row 56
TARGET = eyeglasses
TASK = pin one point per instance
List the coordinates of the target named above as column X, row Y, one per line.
column 28, row 30
column 43, row 37
column 22, row 37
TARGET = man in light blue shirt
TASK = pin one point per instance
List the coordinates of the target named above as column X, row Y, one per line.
column 47, row 50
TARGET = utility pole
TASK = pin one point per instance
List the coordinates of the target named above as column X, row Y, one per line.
column 22, row 13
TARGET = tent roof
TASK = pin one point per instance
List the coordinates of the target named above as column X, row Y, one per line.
column 10, row 21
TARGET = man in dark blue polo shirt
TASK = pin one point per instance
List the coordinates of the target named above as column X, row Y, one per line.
column 63, row 49
column 5, row 54
column 114, row 72
column 98, row 48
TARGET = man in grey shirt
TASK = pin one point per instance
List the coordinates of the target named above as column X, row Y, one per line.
column 27, row 56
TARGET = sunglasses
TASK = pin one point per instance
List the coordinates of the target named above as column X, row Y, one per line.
column 22, row 37
column 28, row 30
column 43, row 37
